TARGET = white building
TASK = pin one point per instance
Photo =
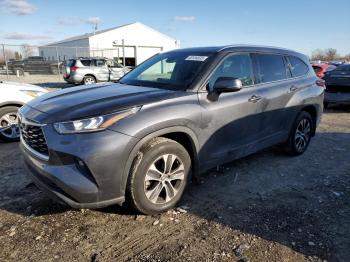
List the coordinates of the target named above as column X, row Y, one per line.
column 131, row 43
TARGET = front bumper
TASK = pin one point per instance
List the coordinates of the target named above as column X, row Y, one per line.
column 82, row 170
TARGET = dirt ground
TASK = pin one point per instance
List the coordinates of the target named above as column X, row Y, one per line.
column 51, row 81
column 265, row 207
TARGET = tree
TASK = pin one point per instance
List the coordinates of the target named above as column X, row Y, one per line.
column 331, row 54
column 27, row 50
column 318, row 54
column 18, row 55
column 9, row 55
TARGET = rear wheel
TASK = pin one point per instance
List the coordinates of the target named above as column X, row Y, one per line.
column 300, row 135
column 9, row 124
column 159, row 176
column 89, row 80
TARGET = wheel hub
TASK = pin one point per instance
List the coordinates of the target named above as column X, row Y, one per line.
column 164, row 178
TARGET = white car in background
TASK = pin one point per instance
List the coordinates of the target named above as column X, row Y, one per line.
column 12, row 97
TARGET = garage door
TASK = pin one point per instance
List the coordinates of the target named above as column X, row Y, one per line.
column 144, row 53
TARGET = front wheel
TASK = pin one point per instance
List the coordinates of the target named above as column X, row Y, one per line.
column 159, row 176
column 9, row 124
column 300, row 135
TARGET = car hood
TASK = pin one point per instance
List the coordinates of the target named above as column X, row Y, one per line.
column 87, row 101
column 21, row 86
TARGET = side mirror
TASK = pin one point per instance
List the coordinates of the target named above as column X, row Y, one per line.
column 227, row 84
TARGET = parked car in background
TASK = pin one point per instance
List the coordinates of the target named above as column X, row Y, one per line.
column 320, row 69
column 337, row 85
column 35, row 65
column 178, row 113
column 13, row 96
column 92, row 70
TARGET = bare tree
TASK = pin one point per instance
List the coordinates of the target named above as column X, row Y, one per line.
column 331, row 54
column 27, row 50
column 318, row 54
column 9, row 55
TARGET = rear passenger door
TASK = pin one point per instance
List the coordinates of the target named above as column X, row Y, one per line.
column 101, row 70
column 271, row 75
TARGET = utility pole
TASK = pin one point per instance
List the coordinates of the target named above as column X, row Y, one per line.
column 123, row 45
column 7, row 69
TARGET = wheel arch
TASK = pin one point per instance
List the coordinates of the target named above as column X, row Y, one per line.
column 183, row 135
column 312, row 110
column 11, row 103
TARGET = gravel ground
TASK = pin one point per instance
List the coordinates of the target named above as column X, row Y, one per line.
column 265, row 207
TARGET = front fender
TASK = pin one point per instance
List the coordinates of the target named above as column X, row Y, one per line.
column 161, row 132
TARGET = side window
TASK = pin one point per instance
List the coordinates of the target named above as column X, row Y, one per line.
column 238, row 66
column 100, row 62
column 270, row 68
column 298, row 67
column 86, row 62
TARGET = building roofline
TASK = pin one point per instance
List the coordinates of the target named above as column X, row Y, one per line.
column 88, row 35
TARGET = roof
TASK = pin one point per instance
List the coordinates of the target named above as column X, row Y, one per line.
column 87, row 35
column 241, row 47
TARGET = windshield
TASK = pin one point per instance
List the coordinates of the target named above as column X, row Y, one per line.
column 174, row 70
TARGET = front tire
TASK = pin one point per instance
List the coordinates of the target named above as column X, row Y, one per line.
column 300, row 135
column 8, row 118
column 159, row 176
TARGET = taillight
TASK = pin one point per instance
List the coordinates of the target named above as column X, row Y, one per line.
column 321, row 83
column 74, row 68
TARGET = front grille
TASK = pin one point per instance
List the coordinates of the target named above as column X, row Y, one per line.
column 34, row 137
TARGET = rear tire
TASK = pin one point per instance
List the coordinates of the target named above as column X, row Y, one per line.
column 159, row 176
column 300, row 134
column 8, row 116
column 89, row 80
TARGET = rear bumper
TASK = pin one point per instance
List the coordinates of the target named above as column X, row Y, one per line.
column 340, row 97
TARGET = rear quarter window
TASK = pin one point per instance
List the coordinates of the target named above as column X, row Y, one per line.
column 270, row 68
column 297, row 66
column 86, row 62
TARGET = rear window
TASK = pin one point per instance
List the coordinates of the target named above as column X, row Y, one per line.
column 69, row 63
column 317, row 69
column 298, row 67
column 86, row 62
column 270, row 68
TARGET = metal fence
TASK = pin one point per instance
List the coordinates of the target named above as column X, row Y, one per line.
column 48, row 60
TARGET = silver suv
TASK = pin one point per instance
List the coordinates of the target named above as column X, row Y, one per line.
column 92, row 70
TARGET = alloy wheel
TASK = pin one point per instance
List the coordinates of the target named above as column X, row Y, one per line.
column 164, row 178
column 302, row 135
column 9, row 125
column 89, row 81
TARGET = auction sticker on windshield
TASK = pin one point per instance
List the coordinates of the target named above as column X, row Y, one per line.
column 196, row 58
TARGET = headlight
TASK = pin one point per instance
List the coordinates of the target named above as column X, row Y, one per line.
column 94, row 123
column 33, row 93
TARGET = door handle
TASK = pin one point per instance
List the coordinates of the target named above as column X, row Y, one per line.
column 254, row 98
column 293, row 88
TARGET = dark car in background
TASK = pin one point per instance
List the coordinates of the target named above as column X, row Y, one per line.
column 35, row 65
column 92, row 70
column 320, row 69
column 337, row 85
column 173, row 117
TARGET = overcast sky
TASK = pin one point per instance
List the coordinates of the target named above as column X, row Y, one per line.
column 302, row 25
